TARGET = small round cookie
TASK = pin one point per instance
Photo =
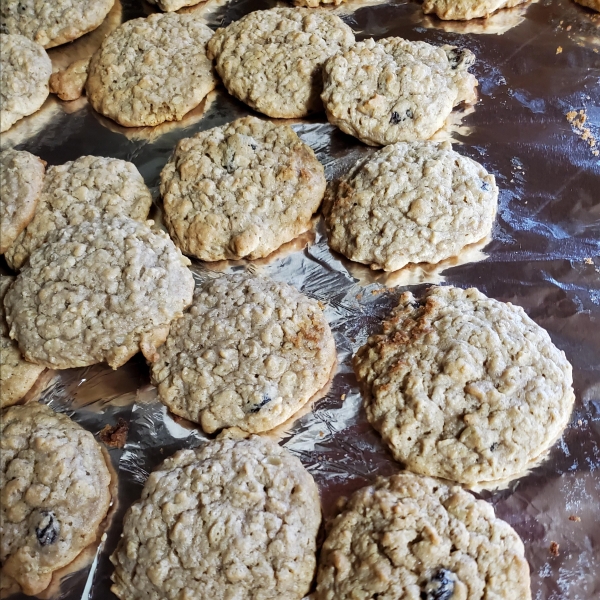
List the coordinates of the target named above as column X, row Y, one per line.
column 272, row 59
column 464, row 10
column 230, row 519
column 25, row 70
column 21, row 179
column 17, row 376
column 55, row 492
column 249, row 353
column 410, row 202
column 393, row 90
column 99, row 291
column 151, row 70
column 413, row 537
column 593, row 4
column 53, row 23
column 464, row 387
column 240, row 190
column 82, row 190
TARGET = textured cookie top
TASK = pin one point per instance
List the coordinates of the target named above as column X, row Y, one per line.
column 21, row 179
column 99, row 291
column 408, row 203
column 53, row 23
column 464, row 387
column 248, row 353
column 413, row 537
column 82, row 190
column 242, row 189
column 55, row 493
column 25, row 70
column 272, row 59
column 231, row 519
column 463, row 10
column 394, row 90
column 17, row 376
column 151, row 70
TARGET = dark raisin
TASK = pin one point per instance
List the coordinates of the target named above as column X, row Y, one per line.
column 265, row 400
column 395, row 118
column 47, row 529
column 440, row 587
column 3, row 28
column 494, row 446
column 485, row 186
column 409, row 114
column 253, row 146
column 455, row 57
column 21, row 8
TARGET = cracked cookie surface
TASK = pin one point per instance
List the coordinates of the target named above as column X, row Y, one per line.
column 464, row 387
column 55, row 493
column 230, row 519
column 98, row 292
column 415, row 538
column 240, row 190
column 249, row 353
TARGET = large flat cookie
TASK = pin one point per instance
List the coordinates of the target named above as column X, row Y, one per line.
column 414, row 537
column 249, row 352
column 151, row 70
column 393, row 90
column 464, row 10
column 54, row 22
column 55, row 493
column 240, row 190
column 98, row 292
column 17, row 376
column 409, row 203
column 272, row 59
column 82, row 190
column 25, row 70
column 464, row 387
column 21, row 180
column 231, row 519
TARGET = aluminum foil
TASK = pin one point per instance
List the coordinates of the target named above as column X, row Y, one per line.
column 535, row 64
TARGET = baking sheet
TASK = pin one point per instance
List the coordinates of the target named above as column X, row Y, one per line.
column 535, row 64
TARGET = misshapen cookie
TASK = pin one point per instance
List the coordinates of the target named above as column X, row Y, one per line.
column 272, row 59
column 464, row 387
column 98, row 292
column 393, row 90
column 409, row 536
column 409, row 203
column 231, row 519
column 240, row 190
column 55, row 493
column 250, row 352
column 463, row 10
column 151, row 70
column 82, row 190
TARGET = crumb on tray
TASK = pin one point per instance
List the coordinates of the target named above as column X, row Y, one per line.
column 115, row 436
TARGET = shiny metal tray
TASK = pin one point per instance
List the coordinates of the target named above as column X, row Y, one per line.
column 535, row 64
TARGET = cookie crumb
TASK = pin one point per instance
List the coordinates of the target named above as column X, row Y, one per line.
column 575, row 518
column 115, row 436
column 554, row 549
column 577, row 121
column 559, row 50
column 588, row 261
column 343, row 396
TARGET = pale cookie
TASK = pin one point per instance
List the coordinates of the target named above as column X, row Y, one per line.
column 593, row 4
column 17, row 376
column 272, row 59
column 230, row 519
column 172, row 5
column 464, row 387
column 240, row 190
column 248, row 353
column 98, row 292
column 55, row 493
column 464, row 10
column 25, row 69
column 414, row 538
column 82, row 190
column 394, row 90
column 21, row 180
column 410, row 202
column 68, row 84
column 53, row 23
column 151, row 70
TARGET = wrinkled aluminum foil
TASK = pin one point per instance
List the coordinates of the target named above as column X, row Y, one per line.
column 535, row 64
